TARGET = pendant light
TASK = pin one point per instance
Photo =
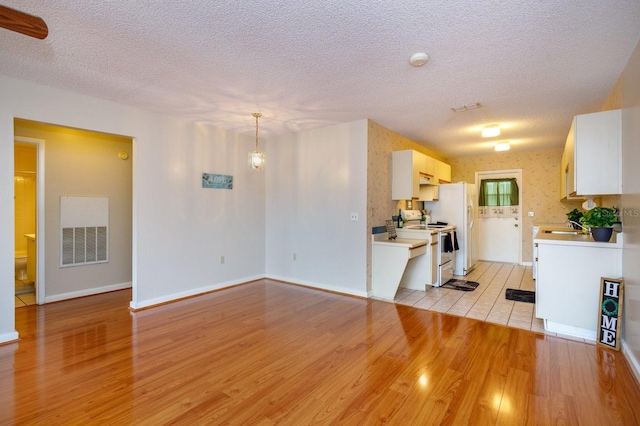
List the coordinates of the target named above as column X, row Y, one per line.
column 257, row 158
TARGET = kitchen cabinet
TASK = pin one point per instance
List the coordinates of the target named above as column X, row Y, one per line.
column 415, row 176
column 567, row 172
column 568, row 280
column 442, row 172
column 592, row 157
column 406, row 167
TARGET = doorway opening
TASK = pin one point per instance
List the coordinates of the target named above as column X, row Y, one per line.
column 82, row 164
column 27, row 190
column 499, row 226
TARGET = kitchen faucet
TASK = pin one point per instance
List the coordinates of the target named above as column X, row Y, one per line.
column 573, row 222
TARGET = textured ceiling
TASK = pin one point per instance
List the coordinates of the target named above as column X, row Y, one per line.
column 306, row 64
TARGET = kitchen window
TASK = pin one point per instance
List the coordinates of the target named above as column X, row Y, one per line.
column 498, row 192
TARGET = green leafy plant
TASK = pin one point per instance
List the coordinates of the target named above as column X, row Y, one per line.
column 600, row 217
column 575, row 215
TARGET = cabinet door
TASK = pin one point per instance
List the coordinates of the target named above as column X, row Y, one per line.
column 567, row 168
column 598, row 161
column 406, row 166
column 443, row 172
column 419, row 162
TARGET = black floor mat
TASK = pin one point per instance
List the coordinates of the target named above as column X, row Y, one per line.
column 520, row 295
column 461, row 285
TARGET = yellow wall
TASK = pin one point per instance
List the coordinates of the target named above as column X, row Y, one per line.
column 24, row 185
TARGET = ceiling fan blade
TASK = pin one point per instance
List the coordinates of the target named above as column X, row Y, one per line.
column 23, row 23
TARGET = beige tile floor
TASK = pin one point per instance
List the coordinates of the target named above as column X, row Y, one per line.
column 487, row 302
column 24, row 299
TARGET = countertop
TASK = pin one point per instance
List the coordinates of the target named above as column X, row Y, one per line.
column 577, row 239
column 401, row 242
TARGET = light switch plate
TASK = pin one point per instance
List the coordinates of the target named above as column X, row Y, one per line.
column 531, row 214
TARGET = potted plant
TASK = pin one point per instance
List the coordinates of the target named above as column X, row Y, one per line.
column 574, row 217
column 600, row 221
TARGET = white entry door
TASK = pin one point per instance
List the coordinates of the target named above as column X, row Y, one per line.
column 500, row 238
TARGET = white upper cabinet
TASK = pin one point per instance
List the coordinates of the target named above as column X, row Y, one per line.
column 592, row 159
column 415, row 176
column 443, row 172
column 406, row 166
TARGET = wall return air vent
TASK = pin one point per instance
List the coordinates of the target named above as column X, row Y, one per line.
column 84, row 228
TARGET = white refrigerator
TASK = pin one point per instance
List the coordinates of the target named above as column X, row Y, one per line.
column 456, row 205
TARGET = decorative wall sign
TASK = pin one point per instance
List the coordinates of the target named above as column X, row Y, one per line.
column 610, row 312
column 210, row 180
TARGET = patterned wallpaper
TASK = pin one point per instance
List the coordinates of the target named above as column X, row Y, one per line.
column 540, row 185
column 380, row 206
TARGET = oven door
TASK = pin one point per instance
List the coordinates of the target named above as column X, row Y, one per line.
column 446, row 259
column 445, row 256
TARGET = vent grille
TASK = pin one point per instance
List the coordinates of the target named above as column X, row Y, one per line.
column 84, row 246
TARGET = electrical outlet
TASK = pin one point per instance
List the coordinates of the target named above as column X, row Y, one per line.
column 354, row 216
column 295, row 256
column 222, row 260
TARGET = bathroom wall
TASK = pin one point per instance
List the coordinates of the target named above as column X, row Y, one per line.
column 24, row 184
column 84, row 163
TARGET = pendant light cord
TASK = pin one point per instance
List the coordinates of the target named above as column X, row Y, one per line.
column 256, row 115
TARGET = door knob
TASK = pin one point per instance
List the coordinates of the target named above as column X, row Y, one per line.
column 516, row 225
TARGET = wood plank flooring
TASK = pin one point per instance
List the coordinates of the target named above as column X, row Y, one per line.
column 272, row 353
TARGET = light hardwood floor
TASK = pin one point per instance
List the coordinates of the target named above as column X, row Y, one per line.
column 273, row 353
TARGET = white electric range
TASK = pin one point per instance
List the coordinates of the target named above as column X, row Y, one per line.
column 441, row 239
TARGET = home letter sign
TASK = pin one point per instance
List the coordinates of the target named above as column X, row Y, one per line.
column 610, row 312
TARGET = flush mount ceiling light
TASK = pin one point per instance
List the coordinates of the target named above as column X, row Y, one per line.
column 466, row 107
column 418, row 59
column 491, row 130
column 503, row 146
column 257, row 158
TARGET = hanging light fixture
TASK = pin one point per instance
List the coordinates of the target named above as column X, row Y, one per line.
column 257, row 158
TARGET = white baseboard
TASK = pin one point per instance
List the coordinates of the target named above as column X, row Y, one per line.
column 87, row 292
column 633, row 361
column 526, row 263
column 136, row 305
column 9, row 337
column 319, row 286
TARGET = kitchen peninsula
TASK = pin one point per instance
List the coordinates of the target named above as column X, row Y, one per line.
column 570, row 266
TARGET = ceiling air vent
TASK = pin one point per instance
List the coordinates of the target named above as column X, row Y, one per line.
column 466, row 107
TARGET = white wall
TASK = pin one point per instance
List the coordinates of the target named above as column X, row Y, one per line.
column 630, row 208
column 316, row 179
column 179, row 229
